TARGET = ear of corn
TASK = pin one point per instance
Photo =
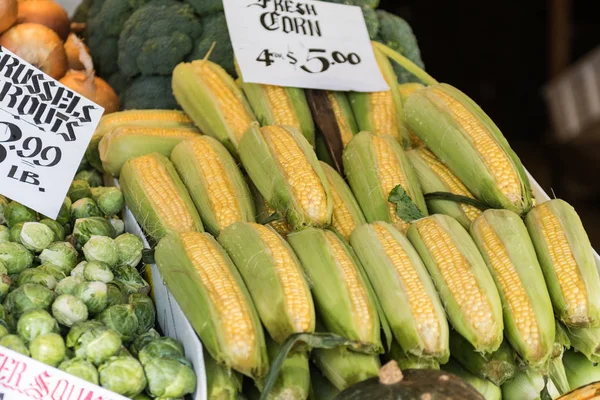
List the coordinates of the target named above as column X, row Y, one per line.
column 567, row 260
column 502, row 239
column 586, row 341
column 131, row 141
column 212, row 294
column 215, row 182
column 143, row 118
column 320, row 387
column 488, row 390
column 464, row 138
column 462, row 278
column 434, row 176
column 222, row 383
column 580, row 372
column 344, row 117
column 374, row 166
column 210, row 96
column 527, row 384
column 285, row 170
column 343, row 368
column 341, row 292
column 410, row 361
column 264, row 211
column 157, row 197
column 405, row 290
column 406, row 89
column 293, row 382
column 274, row 278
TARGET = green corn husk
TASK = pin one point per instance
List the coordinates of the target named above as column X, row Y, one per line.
column 431, row 118
column 342, row 293
column 558, row 375
column 377, row 246
column 487, row 389
column 584, row 311
column 265, row 214
column 365, row 172
column 131, row 141
column 497, row 367
column 561, row 340
column 579, row 370
column 409, row 361
column 343, row 367
column 263, row 165
column 438, row 237
column 280, row 292
column 344, row 115
column 189, row 263
column 586, row 341
column 214, row 181
column 534, row 342
column 527, row 384
column 320, row 387
column 156, row 215
column 221, row 383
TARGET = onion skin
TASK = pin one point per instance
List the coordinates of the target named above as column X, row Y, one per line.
column 94, row 88
column 8, row 14
column 73, row 54
column 47, row 13
column 39, row 46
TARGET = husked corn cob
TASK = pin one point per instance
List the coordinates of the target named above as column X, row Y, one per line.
column 502, row 239
column 342, row 293
column 131, row 141
column 274, row 278
column 464, row 138
column 210, row 291
column 343, row 368
column 406, row 89
column 222, row 383
column 374, row 166
column 215, row 182
column 144, row 118
column 464, row 282
column 210, row 96
column 434, row 176
column 567, row 260
column 409, row 361
column 157, row 197
column 406, row 293
column 285, row 170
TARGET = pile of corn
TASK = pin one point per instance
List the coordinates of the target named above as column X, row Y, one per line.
column 293, row 246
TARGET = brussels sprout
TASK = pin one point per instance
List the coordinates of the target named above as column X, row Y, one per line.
column 169, row 378
column 3, row 315
column 67, row 285
column 15, row 212
column 118, row 225
column 129, row 249
column 5, row 281
column 101, row 248
column 34, row 323
column 79, row 329
column 131, row 280
column 92, row 177
column 97, row 271
column 14, row 343
column 78, row 270
column 14, row 234
column 122, row 375
column 142, row 340
column 144, row 310
column 98, row 344
column 53, row 270
column 109, row 199
column 30, row 296
column 163, row 347
column 79, row 189
column 85, row 228
column 80, row 368
column 115, row 294
column 58, row 229
column 64, row 215
column 15, row 256
column 142, row 396
column 60, row 254
column 121, row 319
column 68, row 310
column 3, row 203
column 85, row 208
column 36, row 275
column 36, row 236
column 123, row 352
column 3, row 331
column 4, row 233
column 48, row 348
column 93, row 295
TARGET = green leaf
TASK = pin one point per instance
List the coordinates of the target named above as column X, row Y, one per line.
column 405, row 208
column 272, row 218
column 457, row 198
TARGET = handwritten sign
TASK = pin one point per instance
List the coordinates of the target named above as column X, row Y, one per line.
column 44, row 131
column 307, row 44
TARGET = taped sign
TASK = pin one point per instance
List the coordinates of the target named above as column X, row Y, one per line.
column 45, row 128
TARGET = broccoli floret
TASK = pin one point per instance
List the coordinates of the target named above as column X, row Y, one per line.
column 397, row 34
column 372, row 21
column 157, row 37
column 360, row 3
column 203, row 7
column 82, row 11
column 118, row 82
column 149, row 92
column 215, row 31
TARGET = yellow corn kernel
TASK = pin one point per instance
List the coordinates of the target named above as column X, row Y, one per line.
column 233, row 110
column 565, row 266
column 455, row 184
column 283, row 111
column 421, row 306
column 459, row 277
column 224, row 293
column 300, row 175
column 491, row 153
column 358, row 294
column 156, row 131
column 511, row 285
column 164, row 196
column 385, row 119
column 281, row 225
column 133, row 116
column 298, row 304
column 342, row 220
column 342, row 123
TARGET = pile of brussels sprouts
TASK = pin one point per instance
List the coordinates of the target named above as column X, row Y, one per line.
column 73, row 298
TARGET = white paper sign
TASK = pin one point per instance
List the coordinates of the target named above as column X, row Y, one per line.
column 307, row 44
column 44, row 131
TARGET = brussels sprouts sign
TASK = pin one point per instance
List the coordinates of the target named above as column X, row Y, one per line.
column 307, row 44
column 44, row 131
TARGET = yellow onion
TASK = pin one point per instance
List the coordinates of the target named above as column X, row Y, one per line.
column 45, row 12
column 73, row 50
column 8, row 14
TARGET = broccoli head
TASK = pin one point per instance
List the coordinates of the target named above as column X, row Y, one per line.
column 203, row 7
column 157, row 37
column 118, row 82
column 82, row 12
column 215, row 31
column 397, row 34
column 149, row 92
column 372, row 21
column 360, row 3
